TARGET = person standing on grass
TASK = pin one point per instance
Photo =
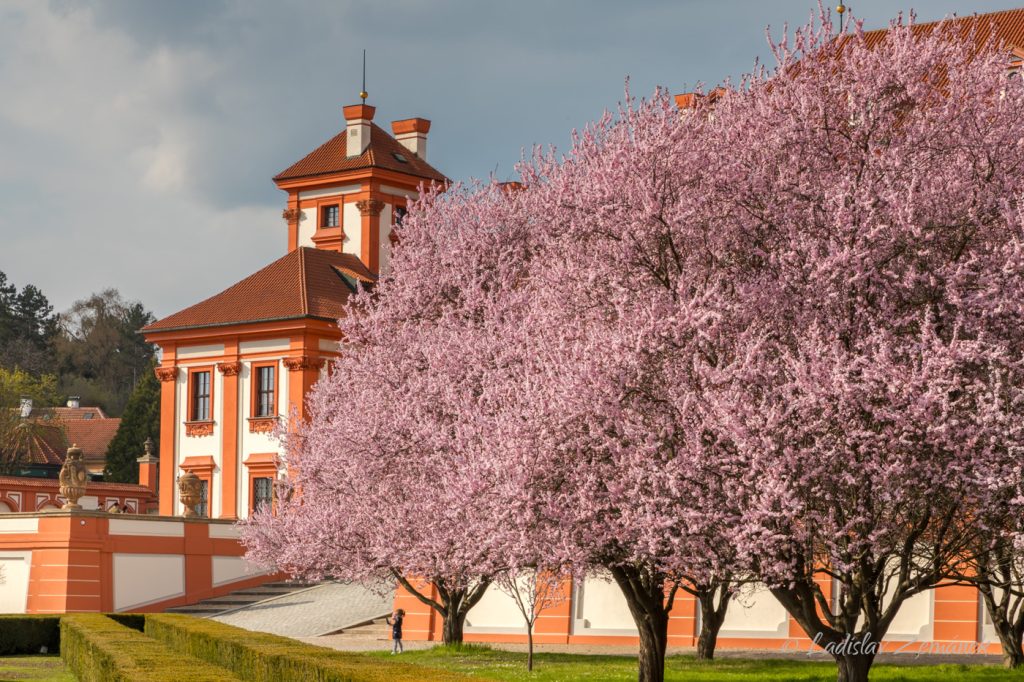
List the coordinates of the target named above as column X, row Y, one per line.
column 395, row 621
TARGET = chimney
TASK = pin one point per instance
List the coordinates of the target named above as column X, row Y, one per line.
column 26, row 407
column 412, row 133
column 357, row 137
column 74, row 402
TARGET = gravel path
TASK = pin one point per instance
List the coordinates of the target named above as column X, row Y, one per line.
column 311, row 612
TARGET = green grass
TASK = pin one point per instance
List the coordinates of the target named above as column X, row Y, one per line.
column 48, row 668
column 511, row 667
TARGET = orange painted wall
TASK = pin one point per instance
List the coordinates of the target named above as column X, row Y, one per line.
column 955, row 622
column 72, row 561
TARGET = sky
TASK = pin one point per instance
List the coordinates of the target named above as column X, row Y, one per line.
column 138, row 138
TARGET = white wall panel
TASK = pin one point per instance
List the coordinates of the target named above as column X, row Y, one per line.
column 15, row 524
column 755, row 613
column 141, row 579
column 15, row 567
column 601, row 606
column 227, row 569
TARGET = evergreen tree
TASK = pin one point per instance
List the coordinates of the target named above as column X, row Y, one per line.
column 141, row 420
column 27, row 328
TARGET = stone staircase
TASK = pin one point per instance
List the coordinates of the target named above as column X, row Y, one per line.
column 370, row 631
column 240, row 599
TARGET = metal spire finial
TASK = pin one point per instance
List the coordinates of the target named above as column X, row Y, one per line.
column 363, row 94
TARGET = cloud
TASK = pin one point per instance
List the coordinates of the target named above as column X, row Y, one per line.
column 138, row 137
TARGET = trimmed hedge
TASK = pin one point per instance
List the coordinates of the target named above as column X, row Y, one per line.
column 262, row 657
column 96, row 649
column 23, row 634
column 135, row 621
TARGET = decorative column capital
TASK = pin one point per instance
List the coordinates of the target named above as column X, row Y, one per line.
column 292, row 215
column 303, row 362
column 166, row 373
column 229, row 369
column 370, row 207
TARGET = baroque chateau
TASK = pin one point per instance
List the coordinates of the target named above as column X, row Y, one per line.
column 237, row 363
column 237, row 366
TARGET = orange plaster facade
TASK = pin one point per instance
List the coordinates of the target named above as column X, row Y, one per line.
column 956, row 625
column 76, row 561
column 298, row 350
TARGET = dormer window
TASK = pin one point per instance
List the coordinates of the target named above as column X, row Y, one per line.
column 329, row 216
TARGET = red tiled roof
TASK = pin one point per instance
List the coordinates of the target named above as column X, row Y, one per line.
column 305, row 283
column 1008, row 26
column 331, row 157
column 92, row 435
column 71, row 413
column 35, row 442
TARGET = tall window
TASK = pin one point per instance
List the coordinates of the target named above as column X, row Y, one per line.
column 264, row 403
column 262, row 493
column 329, row 216
column 204, row 496
column 200, row 396
column 400, row 213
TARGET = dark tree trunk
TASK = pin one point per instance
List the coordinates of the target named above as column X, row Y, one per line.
column 451, row 629
column 1010, row 633
column 645, row 595
column 854, row 667
column 529, row 647
column 651, row 659
column 453, row 605
column 711, row 616
column 854, row 652
column 707, row 641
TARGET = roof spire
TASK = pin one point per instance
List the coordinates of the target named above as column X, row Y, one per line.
column 363, row 94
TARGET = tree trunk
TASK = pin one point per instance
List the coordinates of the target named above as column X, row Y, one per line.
column 653, row 640
column 529, row 647
column 1009, row 633
column 711, row 617
column 707, row 640
column 854, row 667
column 452, row 626
column 645, row 595
column 453, row 607
column 1010, row 641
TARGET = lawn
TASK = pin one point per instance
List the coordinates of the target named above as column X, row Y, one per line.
column 48, row 668
column 511, row 667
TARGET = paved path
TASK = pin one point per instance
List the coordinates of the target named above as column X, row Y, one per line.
column 341, row 643
column 311, row 612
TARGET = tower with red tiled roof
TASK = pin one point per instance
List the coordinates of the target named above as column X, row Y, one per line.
column 349, row 193
column 239, row 364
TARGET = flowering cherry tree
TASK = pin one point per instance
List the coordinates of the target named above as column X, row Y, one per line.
column 391, row 475
column 631, row 332
column 772, row 337
column 871, row 198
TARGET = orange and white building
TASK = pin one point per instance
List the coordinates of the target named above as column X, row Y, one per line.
column 238, row 365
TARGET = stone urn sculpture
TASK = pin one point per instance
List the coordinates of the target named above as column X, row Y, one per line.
column 190, row 490
column 74, row 478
